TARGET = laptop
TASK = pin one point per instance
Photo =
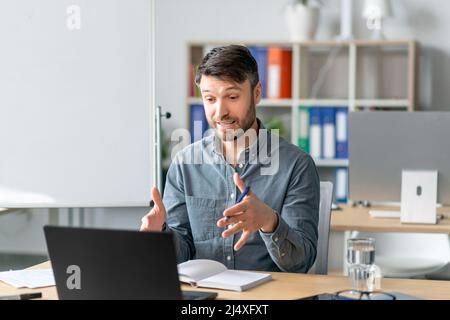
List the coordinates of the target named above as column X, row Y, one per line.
column 115, row 264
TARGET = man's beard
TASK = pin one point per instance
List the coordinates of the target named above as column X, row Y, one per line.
column 247, row 122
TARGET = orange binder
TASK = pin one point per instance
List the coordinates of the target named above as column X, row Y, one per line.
column 279, row 75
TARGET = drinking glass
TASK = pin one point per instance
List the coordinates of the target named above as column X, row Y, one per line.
column 363, row 274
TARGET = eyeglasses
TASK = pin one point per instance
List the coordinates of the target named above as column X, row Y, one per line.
column 363, row 295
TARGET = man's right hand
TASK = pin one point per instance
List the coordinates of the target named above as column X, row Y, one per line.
column 155, row 219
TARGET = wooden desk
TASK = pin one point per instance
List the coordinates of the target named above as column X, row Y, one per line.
column 286, row 286
column 358, row 219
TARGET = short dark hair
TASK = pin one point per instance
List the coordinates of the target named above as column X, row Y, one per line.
column 232, row 62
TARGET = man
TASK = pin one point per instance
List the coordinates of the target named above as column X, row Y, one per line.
column 274, row 227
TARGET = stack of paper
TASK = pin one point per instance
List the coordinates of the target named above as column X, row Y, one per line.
column 30, row 278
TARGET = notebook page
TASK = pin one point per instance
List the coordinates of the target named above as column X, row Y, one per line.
column 199, row 269
column 235, row 279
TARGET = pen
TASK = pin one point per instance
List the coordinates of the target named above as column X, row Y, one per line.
column 23, row 296
column 241, row 197
column 243, row 194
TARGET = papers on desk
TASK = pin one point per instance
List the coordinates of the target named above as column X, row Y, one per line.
column 29, row 278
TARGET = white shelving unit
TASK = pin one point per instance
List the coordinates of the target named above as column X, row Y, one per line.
column 361, row 75
column 331, row 162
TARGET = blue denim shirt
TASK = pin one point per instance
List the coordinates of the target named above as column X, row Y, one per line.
column 199, row 187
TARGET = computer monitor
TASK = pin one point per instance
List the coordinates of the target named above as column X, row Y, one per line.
column 382, row 144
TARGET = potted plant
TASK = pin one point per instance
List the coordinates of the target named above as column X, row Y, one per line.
column 302, row 18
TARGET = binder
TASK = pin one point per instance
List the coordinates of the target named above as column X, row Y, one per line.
column 194, row 90
column 260, row 55
column 328, row 133
column 341, row 185
column 191, row 80
column 198, row 122
column 303, row 129
column 279, row 76
column 315, row 133
column 197, row 53
column 341, row 133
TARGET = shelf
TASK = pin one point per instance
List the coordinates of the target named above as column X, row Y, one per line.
column 324, row 102
column 359, row 75
column 263, row 103
column 331, row 162
column 382, row 103
column 276, row 103
column 310, row 43
column 347, row 102
column 334, row 43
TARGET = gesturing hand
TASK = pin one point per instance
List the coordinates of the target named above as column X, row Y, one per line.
column 248, row 216
column 155, row 219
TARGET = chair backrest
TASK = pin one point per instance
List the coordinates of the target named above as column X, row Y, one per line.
column 326, row 197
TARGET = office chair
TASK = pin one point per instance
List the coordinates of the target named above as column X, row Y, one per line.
column 408, row 255
column 326, row 197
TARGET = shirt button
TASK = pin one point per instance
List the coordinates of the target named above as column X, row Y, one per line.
column 283, row 254
column 232, row 196
column 228, row 258
column 275, row 239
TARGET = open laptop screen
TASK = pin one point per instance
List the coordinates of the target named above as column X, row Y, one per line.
column 113, row 264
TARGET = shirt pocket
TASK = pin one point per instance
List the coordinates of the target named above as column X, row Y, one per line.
column 202, row 217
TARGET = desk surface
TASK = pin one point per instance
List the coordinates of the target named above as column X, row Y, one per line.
column 288, row 286
column 358, row 219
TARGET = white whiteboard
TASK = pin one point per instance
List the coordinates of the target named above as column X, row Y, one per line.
column 75, row 103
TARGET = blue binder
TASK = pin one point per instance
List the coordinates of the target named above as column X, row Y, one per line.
column 328, row 133
column 198, row 123
column 260, row 55
column 341, row 133
column 315, row 132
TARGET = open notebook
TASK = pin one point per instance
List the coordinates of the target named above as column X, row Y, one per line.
column 213, row 274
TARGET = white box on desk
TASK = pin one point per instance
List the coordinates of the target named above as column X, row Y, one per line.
column 419, row 195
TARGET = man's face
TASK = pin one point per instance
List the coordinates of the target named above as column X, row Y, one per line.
column 229, row 106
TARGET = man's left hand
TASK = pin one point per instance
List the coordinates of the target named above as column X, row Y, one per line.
column 248, row 216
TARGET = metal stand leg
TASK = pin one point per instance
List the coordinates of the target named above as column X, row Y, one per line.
column 70, row 217
column 82, row 218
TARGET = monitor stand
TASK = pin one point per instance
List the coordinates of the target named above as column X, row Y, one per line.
column 419, row 194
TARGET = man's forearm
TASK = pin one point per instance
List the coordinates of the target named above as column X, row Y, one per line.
column 291, row 250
